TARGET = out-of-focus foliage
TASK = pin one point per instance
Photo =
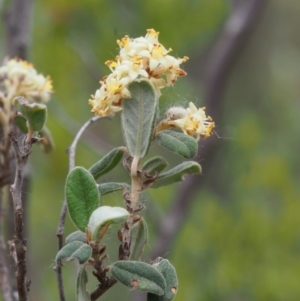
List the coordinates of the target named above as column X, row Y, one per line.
column 242, row 240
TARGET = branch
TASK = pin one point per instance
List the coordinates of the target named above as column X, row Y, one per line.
column 17, row 18
column 18, row 244
column 99, row 291
column 223, row 56
column 61, row 224
column 72, row 149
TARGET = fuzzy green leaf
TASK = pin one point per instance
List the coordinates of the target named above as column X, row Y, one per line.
column 74, row 250
column 178, row 143
column 82, row 280
column 155, row 165
column 139, row 238
column 21, row 122
column 138, row 117
column 169, row 273
column 177, row 174
column 82, row 196
column 76, row 236
column 46, row 143
column 104, row 216
column 107, row 163
column 139, row 275
column 106, row 188
column 35, row 113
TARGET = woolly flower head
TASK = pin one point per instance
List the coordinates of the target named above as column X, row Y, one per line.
column 19, row 78
column 142, row 57
column 191, row 121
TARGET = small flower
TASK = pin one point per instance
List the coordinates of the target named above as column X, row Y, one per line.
column 143, row 57
column 191, row 121
column 22, row 79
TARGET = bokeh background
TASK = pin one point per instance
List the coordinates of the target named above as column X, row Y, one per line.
column 241, row 238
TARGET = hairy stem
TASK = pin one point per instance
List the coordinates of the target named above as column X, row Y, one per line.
column 135, row 182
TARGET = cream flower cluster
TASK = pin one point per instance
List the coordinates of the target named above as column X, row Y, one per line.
column 19, row 78
column 142, row 57
column 191, row 121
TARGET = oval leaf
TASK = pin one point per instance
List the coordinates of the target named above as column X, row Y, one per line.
column 176, row 174
column 138, row 117
column 178, row 143
column 107, row 163
column 155, row 165
column 106, row 188
column 74, row 250
column 76, row 236
column 104, row 216
column 82, row 280
column 35, row 113
column 140, row 276
column 169, row 273
column 139, row 237
column 82, row 196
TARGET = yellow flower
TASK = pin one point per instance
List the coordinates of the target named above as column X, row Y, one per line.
column 143, row 57
column 22, row 79
column 192, row 122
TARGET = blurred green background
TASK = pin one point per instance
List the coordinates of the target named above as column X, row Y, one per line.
column 241, row 241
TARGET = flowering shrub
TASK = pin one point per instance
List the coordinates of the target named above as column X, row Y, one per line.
column 142, row 68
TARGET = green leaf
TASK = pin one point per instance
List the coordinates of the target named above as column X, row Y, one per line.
column 139, row 275
column 139, row 238
column 74, row 250
column 177, row 173
column 104, row 216
column 82, row 196
column 21, row 123
column 178, row 143
column 76, row 236
column 35, row 113
column 169, row 273
column 138, row 117
column 107, row 163
column 106, row 188
column 46, row 143
column 82, row 280
column 155, row 165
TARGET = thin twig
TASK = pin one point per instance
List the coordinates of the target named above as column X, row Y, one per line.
column 18, row 244
column 61, row 224
column 72, row 149
column 16, row 20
